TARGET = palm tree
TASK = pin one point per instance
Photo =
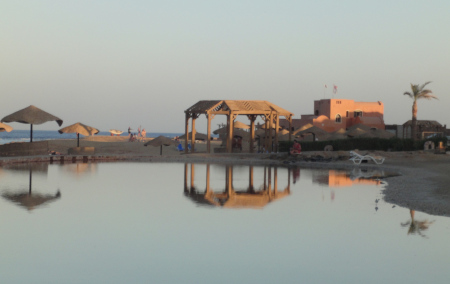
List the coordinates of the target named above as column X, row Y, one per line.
column 418, row 92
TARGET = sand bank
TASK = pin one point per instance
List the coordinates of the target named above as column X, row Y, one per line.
column 423, row 183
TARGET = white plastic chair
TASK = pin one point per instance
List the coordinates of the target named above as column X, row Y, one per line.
column 357, row 158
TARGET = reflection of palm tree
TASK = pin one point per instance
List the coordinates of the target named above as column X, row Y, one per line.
column 418, row 92
column 416, row 227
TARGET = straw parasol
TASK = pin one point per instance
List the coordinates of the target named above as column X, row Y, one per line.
column 306, row 126
column 357, row 132
column 160, row 141
column 316, row 131
column 5, row 127
column 338, row 135
column 198, row 136
column 31, row 115
column 240, row 125
column 79, row 128
column 25, row 197
column 29, row 200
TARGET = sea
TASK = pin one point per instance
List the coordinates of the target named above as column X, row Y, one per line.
column 39, row 135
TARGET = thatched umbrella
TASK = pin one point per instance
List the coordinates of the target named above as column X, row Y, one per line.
column 240, row 125
column 315, row 131
column 338, row 135
column 30, row 201
column 160, row 141
column 79, row 128
column 198, row 136
column 26, row 198
column 306, row 126
column 31, row 115
column 5, row 127
column 357, row 132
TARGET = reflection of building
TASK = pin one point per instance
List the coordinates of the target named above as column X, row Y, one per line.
column 334, row 178
column 334, row 114
column 234, row 198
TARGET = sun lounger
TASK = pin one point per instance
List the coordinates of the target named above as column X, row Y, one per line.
column 180, row 148
column 358, row 158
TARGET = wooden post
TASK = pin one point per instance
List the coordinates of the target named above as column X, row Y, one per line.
column 194, row 117
column 266, row 134
column 192, row 176
column 208, row 144
column 186, row 132
column 228, row 133
column 185, row 177
column 277, row 124
column 252, row 133
column 290, row 128
column 270, row 132
column 250, row 179
column 208, row 189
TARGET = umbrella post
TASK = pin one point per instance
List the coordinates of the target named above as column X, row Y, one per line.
column 29, row 190
column 78, row 139
column 31, row 133
column 160, row 150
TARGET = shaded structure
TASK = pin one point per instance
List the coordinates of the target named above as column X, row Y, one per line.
column 230, row 197
column 31, row 115
column 160, row 141
column 79, row 128
column 269, row 112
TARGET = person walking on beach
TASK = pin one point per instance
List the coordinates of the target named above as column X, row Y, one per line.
column 129, row 130
column 143, row 133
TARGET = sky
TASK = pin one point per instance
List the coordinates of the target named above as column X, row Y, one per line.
column 113, row 64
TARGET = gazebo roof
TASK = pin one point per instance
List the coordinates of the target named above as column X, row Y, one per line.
column 237, row 107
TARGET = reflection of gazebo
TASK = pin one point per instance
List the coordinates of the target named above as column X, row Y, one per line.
column 232, row 108
column 233, row 198
column 26, row 198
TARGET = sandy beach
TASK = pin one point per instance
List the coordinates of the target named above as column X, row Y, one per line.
column 422, row 183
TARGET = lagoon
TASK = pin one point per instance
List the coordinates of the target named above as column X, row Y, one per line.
column 138, row 222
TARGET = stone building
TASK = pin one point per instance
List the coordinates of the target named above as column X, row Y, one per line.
column 334, row 114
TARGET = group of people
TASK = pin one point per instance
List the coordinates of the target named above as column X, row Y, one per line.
column 139, row 135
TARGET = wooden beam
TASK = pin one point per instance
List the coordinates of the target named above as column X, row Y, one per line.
column 193, row 134
column 208, row 144
column 270, row 133
column 277, row 124
column 186, row 132
column 252, row 133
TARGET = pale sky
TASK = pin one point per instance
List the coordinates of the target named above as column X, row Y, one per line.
column 113, row 64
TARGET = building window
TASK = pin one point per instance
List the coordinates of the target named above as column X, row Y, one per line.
column 316, row 112
column 338, row 118
column 346, row 114
column 357, row 113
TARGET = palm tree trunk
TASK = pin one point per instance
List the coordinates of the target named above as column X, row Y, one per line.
column 414, row 121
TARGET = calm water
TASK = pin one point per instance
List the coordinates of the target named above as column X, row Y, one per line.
column 39, row 135
column 176, row 223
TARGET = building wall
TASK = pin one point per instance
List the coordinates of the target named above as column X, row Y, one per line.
column 326, row 112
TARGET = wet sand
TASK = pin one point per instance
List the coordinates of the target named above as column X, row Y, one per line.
column 423, row 183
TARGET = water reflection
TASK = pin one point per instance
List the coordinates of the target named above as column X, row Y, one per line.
column 336, row 178
column 25, row 197
column 230, row 197
column 415, row 226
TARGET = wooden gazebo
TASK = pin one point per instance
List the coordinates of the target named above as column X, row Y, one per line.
column 269, row 112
